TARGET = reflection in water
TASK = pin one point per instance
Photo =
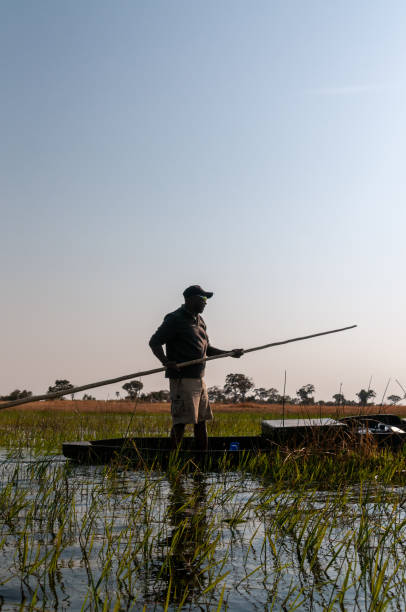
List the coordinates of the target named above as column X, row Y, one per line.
column 188, row 542
column 105, row 539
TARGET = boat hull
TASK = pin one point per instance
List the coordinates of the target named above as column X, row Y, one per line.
column 387, row 431
column 150, row 451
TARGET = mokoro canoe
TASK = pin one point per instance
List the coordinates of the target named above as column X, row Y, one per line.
column 159, row 451
column 385, row 429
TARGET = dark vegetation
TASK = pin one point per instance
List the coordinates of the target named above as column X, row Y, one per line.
column 237, row 388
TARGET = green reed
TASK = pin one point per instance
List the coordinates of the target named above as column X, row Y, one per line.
column 44, row 432
column 292, row 529
column 47, row 430
column 177, row 541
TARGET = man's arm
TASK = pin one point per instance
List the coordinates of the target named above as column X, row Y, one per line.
column 159, row 353
column 212, row 350
column 163, row 334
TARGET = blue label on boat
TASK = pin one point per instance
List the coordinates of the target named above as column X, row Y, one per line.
column 234, row 446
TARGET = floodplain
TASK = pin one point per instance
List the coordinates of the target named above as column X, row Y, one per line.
column 305, row 529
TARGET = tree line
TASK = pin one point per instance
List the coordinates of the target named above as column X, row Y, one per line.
column 237, row 388
column 241, row 388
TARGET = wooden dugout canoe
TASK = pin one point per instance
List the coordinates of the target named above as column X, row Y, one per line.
column 385, row 430
column 158, row 451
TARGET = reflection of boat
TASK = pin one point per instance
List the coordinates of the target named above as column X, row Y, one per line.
column 384, row 429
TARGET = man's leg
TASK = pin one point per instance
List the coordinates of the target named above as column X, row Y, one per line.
column 201, row 436
column 204, row 414
column 177, row 411
column 177, row 432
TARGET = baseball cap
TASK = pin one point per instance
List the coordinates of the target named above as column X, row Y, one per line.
column 196, row 290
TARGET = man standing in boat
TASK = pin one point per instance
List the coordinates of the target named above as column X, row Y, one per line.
column 184, row 334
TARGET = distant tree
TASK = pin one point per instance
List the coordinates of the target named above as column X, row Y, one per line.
column 260, row 394
column 364, row 396
column 236, row 386
column 163, row 395
column 133, row 388
column 87, row 396
column 305, row 393
column 394, row 399
column 339, row 399
column 266, row 395
column 215, row 394
column 155, row 396
column 288, row 400
column 273, row 395
column 60, row 385
column 16, row 394
column 117, row 394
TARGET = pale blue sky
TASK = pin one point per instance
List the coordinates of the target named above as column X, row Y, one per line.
column 255, row 148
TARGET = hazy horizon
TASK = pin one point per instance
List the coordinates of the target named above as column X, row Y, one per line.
column 257, row 150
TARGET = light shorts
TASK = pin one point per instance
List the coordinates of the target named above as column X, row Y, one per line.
column 190, row 402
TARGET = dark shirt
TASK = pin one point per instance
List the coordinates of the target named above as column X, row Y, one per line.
column 185, row 337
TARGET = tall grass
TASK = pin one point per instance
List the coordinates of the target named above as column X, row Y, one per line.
column 104, row 539
column 293, row 530
column 45, row 431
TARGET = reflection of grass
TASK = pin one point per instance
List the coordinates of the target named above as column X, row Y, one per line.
column 104, row 539
column 308, row 528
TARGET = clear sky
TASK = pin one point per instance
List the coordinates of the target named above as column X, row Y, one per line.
column 255, row 148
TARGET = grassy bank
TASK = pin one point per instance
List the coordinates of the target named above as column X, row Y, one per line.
column 45, row 426
column 273, row 410
column 45, row 431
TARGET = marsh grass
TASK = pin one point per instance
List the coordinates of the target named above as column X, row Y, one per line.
column 107, row 539
column 302, row 529
column 45, row 431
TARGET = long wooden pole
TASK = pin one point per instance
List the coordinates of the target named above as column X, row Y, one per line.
column 110, row 381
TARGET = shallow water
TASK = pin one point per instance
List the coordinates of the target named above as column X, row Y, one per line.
column 93, row 538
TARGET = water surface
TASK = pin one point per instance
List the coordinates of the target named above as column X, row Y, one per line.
column 75, row 537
